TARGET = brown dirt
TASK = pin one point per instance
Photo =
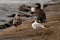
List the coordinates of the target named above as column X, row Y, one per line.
column 26, row 32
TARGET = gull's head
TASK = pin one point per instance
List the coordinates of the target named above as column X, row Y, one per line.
column 35, row 21
column 17, row 15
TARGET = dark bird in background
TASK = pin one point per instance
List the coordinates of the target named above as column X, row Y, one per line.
column 40, row 14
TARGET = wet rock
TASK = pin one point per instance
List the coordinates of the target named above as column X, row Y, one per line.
column 6, row 25
column 2, row 26
column 11, row 15
column 2, row 20
column 24, row 8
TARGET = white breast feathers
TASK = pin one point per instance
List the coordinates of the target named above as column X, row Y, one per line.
column 32, row 9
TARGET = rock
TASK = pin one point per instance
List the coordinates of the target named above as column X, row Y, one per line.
column 11, row 15
column 3, row 20
column 24, row 8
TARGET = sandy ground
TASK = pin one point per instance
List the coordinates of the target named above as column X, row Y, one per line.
column 26, row 32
